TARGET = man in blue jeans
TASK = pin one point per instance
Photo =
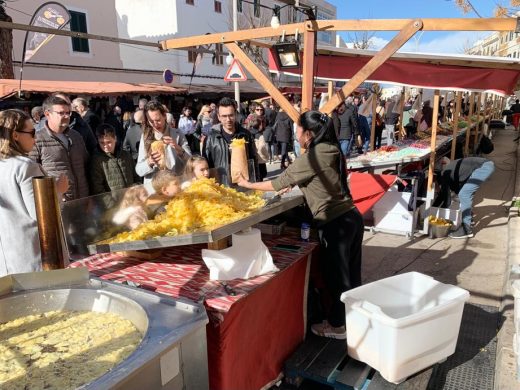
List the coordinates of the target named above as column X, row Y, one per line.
column 464, row 177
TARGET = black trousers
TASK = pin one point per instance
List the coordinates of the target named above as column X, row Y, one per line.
column 340, row 259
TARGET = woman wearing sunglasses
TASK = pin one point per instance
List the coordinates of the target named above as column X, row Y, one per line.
column 19, row 243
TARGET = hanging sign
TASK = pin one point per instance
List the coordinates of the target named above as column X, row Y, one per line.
column 235, row 72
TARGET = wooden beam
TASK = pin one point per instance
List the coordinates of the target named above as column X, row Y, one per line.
column 429, row 24
column 458, row 104
column 433, row 141
column 263, row 80
column 470, row 122
column 309, row 48
column 370, row 67
column 233, row 36
column 451, row 24
column 402, row 131
column 374, row 109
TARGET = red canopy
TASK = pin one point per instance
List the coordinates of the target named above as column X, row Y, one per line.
column 426, row 71
column 368, row 188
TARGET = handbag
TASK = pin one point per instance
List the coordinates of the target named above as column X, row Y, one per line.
column 262, row 149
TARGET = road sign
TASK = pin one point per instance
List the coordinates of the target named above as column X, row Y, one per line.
column 235, row 72
column 168, row 76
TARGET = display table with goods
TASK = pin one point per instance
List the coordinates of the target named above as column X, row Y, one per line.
column 408, row 150
column 204, row 212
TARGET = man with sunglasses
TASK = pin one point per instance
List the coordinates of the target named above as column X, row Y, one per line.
column 61, row 150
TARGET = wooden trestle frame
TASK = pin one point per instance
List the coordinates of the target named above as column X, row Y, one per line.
column 406, row 29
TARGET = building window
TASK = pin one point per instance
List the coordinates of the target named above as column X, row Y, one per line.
column 192, row 55
column 219, row 54
column 78, row 22
column 190, row 2
column 218, row 7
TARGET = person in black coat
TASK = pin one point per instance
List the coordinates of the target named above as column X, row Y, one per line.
column 115, row 119
column 216, row 146
column 348, row 126
column 283, row 133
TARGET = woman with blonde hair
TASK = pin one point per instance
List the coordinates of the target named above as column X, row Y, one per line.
column 19, row 240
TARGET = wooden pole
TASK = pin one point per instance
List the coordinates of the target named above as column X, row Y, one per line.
column 475, row 139
column 263, row 80
column 445, row 111
column 433, row 141
column 371, row 66
column 470, row 123
column 402, row 131
column 330, row 88
column 309, row 47
column 374, row 109
column 458, row 104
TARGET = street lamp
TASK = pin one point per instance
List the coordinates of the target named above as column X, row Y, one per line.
column 229, row 59
column 287, row 54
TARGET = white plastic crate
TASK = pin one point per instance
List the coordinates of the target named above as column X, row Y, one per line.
column 403, row 324
column 391, row 212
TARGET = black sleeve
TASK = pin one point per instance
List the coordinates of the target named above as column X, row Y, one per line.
column 444, row 196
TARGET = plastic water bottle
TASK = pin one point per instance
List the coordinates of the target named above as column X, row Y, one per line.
column 305, row 231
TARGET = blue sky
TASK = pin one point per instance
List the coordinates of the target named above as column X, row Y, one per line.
column 429, row 42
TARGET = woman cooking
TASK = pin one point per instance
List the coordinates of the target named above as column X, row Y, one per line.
column 320, row 174
column 161, row 146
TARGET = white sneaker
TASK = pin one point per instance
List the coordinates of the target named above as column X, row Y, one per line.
column 327, row 330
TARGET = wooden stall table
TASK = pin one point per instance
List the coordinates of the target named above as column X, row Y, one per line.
column 249, row 334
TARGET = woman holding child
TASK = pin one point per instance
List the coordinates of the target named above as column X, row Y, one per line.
column 170, row 152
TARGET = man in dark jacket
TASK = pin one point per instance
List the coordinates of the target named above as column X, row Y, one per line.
column 216, row 145
column 464, row 177
column 270, row 115
column 75, row 123
column 80, row 105
column 283, row 134
column 60, row 149
column 348, row 126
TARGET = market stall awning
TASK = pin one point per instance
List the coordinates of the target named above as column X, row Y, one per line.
column 10, row 87
column 434, row 71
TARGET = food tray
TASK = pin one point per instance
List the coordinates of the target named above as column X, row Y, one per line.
column 286, row 202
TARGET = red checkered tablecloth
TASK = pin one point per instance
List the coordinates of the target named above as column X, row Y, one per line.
column 181, row 272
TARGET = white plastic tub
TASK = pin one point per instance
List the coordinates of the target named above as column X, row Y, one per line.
column 403, row 324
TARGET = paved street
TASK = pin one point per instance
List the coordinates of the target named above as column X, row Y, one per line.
column 477, row 264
